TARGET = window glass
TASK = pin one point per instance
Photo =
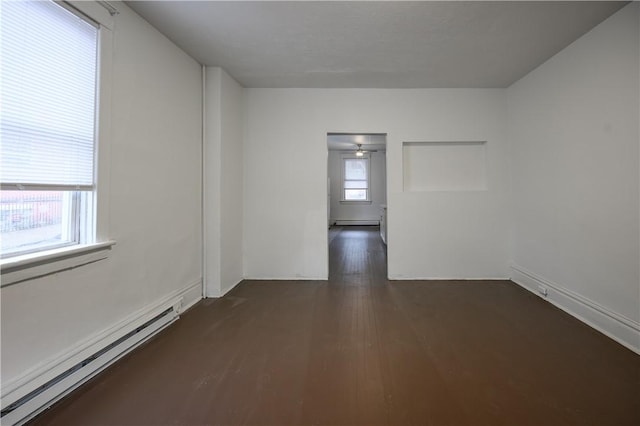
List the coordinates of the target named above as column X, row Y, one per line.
column 356, row 179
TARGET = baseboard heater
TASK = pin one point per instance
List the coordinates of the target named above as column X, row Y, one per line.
column 30, row 405
column 357, row 222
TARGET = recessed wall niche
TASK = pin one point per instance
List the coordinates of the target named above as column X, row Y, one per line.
column 444, row 166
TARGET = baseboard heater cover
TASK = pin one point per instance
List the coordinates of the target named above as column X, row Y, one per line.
column 30, row 405
column 357, row 222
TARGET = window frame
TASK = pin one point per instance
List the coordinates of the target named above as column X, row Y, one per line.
column 78, row 225
column 365, row 157
column 94, row 243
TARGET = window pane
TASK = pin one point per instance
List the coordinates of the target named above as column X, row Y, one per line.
column 355, row 169
column 31, row 220
column 355, row 194
column 356, row 184
column 48, row 91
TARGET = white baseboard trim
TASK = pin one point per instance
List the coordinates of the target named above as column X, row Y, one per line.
column 618, row 327
column 356, row 222
column 190, row 296
column 43, row 373
column 222, row 292
column 403, row 278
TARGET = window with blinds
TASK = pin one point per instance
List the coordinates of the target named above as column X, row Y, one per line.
column 48, row 94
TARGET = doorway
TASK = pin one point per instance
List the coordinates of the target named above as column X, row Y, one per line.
column 356, row 191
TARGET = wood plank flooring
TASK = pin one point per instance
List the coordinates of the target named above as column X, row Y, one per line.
column 360, row 350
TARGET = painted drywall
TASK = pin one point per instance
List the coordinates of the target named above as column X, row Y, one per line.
column 154, row 209
column 223, row 184
column 574, row 133
column 431, row 234
column 341, row 211
column 444, row 166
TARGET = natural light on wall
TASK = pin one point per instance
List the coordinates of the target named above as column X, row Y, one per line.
column 47, row 127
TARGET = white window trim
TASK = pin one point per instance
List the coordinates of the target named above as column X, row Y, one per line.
column 355, row 157
column 29, row 266
column 33, row 265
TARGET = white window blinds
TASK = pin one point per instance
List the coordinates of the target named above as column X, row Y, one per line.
column 48, row 97
column 356, row 173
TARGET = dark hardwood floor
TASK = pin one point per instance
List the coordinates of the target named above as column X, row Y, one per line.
column 360, row 350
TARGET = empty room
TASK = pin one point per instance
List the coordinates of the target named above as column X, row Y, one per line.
column 320, row 212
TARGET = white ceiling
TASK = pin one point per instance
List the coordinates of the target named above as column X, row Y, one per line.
column 380, row 44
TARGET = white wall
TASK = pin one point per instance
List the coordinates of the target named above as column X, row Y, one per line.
column 431, row 234
column 378, row 187
column 223, row 181
column 574, row 133
column 154, row 209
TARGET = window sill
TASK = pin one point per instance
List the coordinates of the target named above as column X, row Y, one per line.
column 355, row 202
column 34, row 265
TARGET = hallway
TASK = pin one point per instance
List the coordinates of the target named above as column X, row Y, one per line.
column 357, row 256
column 358, row 349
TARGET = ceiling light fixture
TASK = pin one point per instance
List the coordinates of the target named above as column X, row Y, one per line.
column 359, row 152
